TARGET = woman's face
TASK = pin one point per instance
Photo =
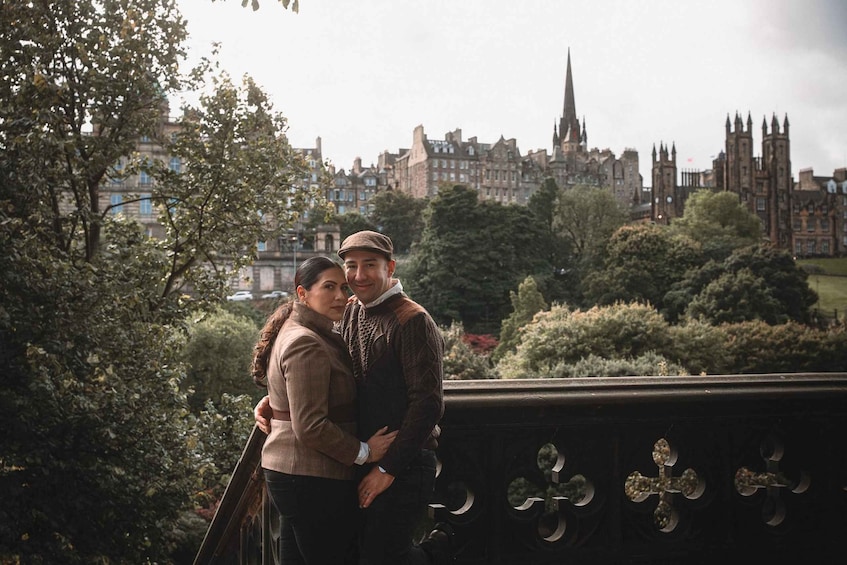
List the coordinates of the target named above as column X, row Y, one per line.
column 328, row 296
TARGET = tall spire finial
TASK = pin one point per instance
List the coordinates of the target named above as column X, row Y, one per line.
column 569, row 121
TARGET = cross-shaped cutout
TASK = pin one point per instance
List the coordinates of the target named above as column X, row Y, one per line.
column 638, row 487
column 748, row 482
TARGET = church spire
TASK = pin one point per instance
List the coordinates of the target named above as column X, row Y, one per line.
column 569, row 121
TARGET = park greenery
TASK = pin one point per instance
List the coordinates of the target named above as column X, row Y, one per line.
column 126, row 396
column 104, row 459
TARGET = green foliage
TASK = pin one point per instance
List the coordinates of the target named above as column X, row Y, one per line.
column 525, row 304
column 699, row 347
column 560, row 283
column 736, row 297
column 642, row 262
column 93, row 419
column 470, row 256
column 234, row 188
column 647, row 364
column 399, row 216
column 461, row 362
column 218, row 353
column 351, row 222
column 586, row 217
column 756, row 282
column 95, row 424
column 758, row 347
column 560, row 337
column 719, row 222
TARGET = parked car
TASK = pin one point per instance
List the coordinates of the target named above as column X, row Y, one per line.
column 276, row 294
column 241, row 295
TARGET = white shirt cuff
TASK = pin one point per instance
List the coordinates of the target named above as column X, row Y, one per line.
column 364, row 453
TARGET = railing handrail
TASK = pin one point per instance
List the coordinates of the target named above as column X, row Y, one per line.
column 828, row 389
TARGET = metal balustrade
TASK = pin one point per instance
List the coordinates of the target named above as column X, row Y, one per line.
column 652, row 470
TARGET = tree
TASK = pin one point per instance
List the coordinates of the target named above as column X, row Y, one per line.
column 719, row 222
column 218, row 352
column 559, row 283
column 91, row 309
column 587, row 217
column 754, row 283
column 351, row 222
column 470, row 256
column 237, row 185
column 641, row 264
column 399, row 216
column 525, row 304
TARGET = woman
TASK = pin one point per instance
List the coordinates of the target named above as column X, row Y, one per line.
column 308, row 455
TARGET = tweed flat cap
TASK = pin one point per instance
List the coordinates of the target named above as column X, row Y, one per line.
column 368, row 241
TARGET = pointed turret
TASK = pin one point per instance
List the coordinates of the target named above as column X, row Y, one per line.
column 774, row 124
column 583, row 137
column 569, row 122
column 728, row 123
column 785, row 125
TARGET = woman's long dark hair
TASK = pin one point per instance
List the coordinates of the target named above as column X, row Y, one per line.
column 307, row 275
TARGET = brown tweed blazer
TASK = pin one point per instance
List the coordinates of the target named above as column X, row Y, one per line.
column 310, row 377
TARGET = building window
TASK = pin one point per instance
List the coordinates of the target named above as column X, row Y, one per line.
column 825, row 224
column 825, row 247
column 798, row 247
column 116, row 201
column 144, row 178
column 810, row 225
column 262, row 246
column 760, row 204
column 175, row 164
column 810, row 247
column 145, row 206
column 435, row 175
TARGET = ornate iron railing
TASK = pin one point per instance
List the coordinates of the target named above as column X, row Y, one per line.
column 710, row 469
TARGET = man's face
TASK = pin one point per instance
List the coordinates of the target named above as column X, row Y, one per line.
column 368, row 274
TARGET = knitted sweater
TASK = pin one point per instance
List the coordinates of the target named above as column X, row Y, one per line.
column 397, row 354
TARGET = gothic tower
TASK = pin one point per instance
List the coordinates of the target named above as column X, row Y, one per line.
column 776, row 183
column 570, row 137
column 739, row 157
column 665, row 205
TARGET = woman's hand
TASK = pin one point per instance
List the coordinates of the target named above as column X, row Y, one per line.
column 263, row 413
column 379, row 443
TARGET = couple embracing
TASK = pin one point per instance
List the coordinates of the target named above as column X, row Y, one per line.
column 338, row 370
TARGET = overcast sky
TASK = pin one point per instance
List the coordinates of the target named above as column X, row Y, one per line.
column 361, row 74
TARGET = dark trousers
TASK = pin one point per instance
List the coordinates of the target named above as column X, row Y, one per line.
column 387, row 526
column 318, row 518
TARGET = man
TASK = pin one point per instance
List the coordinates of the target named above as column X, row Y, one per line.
column 397, row 354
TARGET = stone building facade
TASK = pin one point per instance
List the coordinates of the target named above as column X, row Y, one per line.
column 499, row 172
column 808, row 218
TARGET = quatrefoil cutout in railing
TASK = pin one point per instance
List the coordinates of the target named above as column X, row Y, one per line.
column 773, row 480
column 549, row 503
column 638, row 487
